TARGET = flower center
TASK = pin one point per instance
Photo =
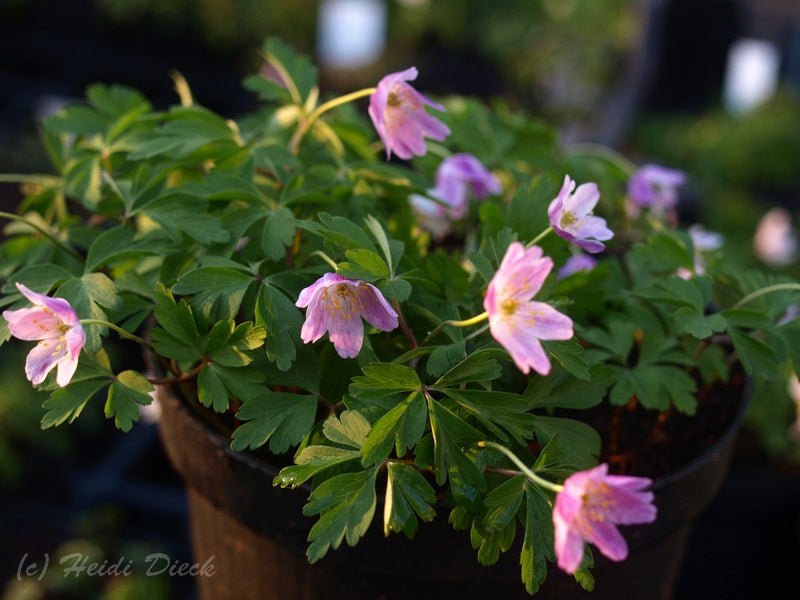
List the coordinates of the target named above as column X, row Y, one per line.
column 596, row 502
column 508, row 307
column 567, row 219
column 344, row 301
column 393, row 100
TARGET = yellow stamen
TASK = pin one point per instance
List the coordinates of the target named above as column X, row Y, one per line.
column 567, row 219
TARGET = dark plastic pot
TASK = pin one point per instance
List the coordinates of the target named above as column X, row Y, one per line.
column 257, row 534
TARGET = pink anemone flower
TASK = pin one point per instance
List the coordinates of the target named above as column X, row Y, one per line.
column 571, row 217
column 398, row 112
column 56, row 326
column 336, row 305
column 517, row 322
column 590, row 506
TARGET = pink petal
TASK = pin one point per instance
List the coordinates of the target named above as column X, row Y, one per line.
column 608, row 540
column 59, row 306
column 525, row 350
column 592, row 227
column 583, row 200
column 66, row 369
column 346, row 334
column 545, row 322
column 568, row 546
column 43, row 358
column 315, row 324
column 32, row 323
column 375, row 309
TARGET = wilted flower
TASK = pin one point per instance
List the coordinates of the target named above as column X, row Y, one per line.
column 775, row 241
column 571, row 216
column 590, row 506
column 336, row 305
column 52, row 322
column 655, row 187
column 515, row 321
column 398, row 112
column 575, row 264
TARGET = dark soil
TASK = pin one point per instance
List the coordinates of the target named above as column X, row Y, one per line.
column 644, row 442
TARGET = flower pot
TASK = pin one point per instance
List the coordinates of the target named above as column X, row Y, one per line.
column 257, row 534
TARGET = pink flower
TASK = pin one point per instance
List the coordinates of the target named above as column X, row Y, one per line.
column 55, row 325
column 655, row 187
column 775, row 241
column 575, row 264
column 515, row 321
column 571, row 216
column 590, row 506
column 459, row 174
column 397, row 110
column 336, row 305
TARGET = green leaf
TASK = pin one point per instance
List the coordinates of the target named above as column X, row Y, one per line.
column 398, row 289
column 186, row 130
column 278, row 233
column 756, row 356
column 582, row 443
column 479, row 366
column 491, row 543
column 211, row 391
column 445, row 357
column 178, row 337
column 402, row 427
column 364, row 264
column 281, row 319
column 384, row 379
column 313, row 460
column 300, row 69
column 281, row 418
column 699, row 325
column 231, row 346
column 712, row 364
column 346, row 505
column 215, row 287
column 408, row 496
column 502, row 413
column 41, row 278
column 559, row 390
column 182, row 214
column 502, row 504
column 451, row 435
column 114, row 245
column 348, row 428
column 568, row 354
column 128, row 392
column 664, row 252
column 537, row 545
column 67, row 403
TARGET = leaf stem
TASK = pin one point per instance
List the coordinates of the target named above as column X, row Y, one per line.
column 548, row 485
column 305, row 125
column 119, row 330
column 188, row 376
column 43, row 231
column 412, row 340
column 766, row 290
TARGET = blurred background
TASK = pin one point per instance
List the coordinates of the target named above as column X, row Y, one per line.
column 708, row 86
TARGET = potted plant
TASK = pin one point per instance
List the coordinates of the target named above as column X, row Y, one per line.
column 488, row 331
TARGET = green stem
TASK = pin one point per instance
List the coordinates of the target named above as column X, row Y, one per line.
column 43, row 231
column 539, row 237
column 118, row 329
column 28, row 178
column 466, row 323
column 548, row 485
column 304, row 126
column 766, row 290
column 326, row 258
